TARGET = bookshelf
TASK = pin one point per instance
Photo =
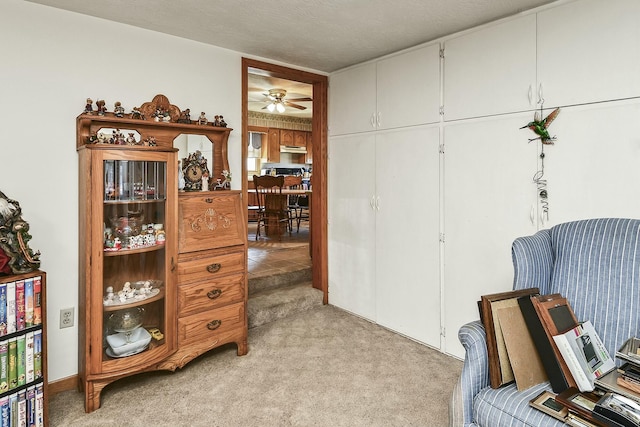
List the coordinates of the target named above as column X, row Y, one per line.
column 23, row 350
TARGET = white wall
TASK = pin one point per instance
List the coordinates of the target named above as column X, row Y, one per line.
column 52, row 60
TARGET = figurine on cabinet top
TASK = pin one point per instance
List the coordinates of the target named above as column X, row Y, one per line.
column 223, row 124
column 88, row 108
column 118, row 109
column 102, row 109
column 185, row 116
column 202, row 120
column 136, row 114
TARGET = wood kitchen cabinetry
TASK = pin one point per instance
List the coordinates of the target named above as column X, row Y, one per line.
column 273, row 150
column 156, row 289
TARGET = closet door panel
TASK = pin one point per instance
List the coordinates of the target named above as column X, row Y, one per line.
column 351, row 224
column 352, row 100
column 407, row 233
column 589, row 51
column 491, row 70
column 408, row 88
column 489, row 200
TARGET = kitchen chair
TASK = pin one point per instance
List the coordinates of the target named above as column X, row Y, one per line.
column 272, row 204
column 294, row 183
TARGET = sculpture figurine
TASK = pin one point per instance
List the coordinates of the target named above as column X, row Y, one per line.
column 15, row 255
column 102, row 109
column 185, row 116
column 118, row 109
column 88, row 108
column 202, row 120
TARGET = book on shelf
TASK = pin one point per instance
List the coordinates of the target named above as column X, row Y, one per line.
column 5, row 412
column 584, row 354
column 21, row 359
column 22, row 408
column 4, row 366
column 37, row 300
column 13, row 407
column 11, row 307
column 37, row 354
column 29, row 358
column 31, row 405
column 28, row 302
column 13, row 358
column 3, row 309
column 20, row 319
column 39, row 405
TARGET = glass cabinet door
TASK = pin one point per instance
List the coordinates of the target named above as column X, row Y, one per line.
column 134, row 258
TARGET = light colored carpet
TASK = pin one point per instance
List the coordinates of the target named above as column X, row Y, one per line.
column 321, row 367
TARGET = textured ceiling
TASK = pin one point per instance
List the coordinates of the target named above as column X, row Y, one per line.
column 322, row 35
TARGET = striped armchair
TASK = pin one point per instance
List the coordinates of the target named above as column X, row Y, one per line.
column 595, row 264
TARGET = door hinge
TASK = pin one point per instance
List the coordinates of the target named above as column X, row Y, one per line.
column 441, row 149
column 441, row 237
column 443, row 331
column 442, row 110
column 442, row 53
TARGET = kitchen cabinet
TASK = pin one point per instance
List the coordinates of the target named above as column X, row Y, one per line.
column 300, row 138
column 273, row 149
column 489, row 200
column 491, row 70
column 398, row 91
column 309, row 143
column 589, row 51
column 286, row 137
column 382, row 224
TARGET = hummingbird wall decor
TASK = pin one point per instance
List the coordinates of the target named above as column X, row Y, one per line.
column 540, row 126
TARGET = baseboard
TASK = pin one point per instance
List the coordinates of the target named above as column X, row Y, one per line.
column 64, row 384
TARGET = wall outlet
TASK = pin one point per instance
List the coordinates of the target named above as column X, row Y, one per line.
column 66, row 317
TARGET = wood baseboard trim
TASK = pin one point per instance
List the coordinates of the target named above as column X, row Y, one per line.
column 64, row 384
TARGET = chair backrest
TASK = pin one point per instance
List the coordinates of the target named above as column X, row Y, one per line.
column 269, row 192
column 291, row 181
column 595, row 264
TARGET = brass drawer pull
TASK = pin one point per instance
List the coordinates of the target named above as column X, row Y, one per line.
column 214, row 324
column 213, row 268
column 214, row 293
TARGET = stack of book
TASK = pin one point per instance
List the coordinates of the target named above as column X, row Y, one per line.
column 20, row 305
column 21, row 357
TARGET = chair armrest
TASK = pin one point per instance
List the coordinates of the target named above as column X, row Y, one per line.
column 475, row 372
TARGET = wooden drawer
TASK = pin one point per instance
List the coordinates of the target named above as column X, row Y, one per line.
column 210, row 325
column 210, row 219
column 210, row 294
column 208, row 265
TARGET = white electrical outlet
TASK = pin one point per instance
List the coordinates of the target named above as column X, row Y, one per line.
column 66, row 317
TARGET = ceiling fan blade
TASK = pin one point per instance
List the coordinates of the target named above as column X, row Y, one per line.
column 299, row 99
column 290, row 104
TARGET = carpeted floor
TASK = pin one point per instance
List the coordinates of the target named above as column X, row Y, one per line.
column 322, row 367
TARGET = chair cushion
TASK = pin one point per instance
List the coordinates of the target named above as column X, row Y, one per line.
column 506, row 407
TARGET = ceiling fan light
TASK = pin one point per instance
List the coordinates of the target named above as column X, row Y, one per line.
column 279, row 107
column 271, row 107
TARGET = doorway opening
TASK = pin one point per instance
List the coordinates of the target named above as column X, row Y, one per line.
column 276, row 100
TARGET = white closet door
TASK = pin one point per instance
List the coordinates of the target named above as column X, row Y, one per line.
column 407, row 233
column 352, row 100
column 593, row 168
column 491, row 70
column 408, row 87
column 489, row 200
column 351, row 224
column 589, row 51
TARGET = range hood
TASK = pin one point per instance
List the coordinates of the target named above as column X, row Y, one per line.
column 292, row 149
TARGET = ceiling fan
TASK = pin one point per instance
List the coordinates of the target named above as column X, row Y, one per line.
column 278, row 103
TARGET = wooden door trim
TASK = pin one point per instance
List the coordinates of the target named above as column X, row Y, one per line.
column 319, row 247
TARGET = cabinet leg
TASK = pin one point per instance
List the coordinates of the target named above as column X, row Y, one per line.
column 92, row 391
column 242, row 347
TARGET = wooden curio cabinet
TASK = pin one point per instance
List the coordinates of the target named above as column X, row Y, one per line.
column 129, row 235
